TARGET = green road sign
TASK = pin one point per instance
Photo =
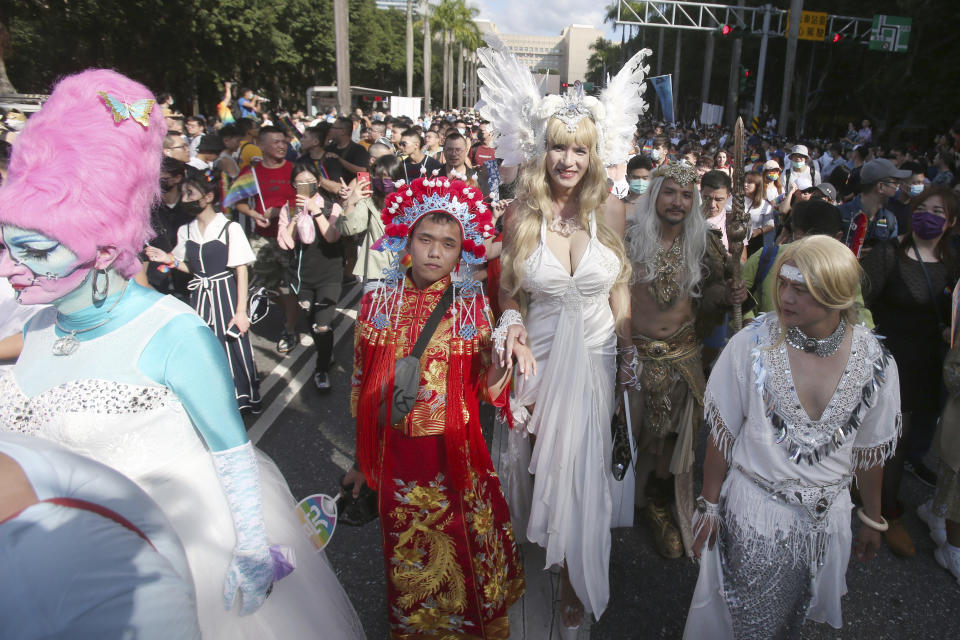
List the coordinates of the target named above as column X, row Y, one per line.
column 890, row 33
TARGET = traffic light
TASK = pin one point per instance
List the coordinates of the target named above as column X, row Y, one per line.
column 744, row 79
column 837, row 37
column 734, row 30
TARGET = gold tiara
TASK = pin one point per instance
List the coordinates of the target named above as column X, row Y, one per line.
column 681, row 172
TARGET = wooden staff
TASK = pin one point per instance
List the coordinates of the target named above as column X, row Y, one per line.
column 737, row 218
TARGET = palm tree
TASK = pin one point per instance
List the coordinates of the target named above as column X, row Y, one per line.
column 427, row 50
column 444, row 19
column 467, row 36
column 409, row 48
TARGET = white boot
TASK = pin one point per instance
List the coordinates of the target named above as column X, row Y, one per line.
column 948, row 557
column 938, row 527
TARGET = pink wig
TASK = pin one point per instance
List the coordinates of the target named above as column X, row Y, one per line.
column 78, row 176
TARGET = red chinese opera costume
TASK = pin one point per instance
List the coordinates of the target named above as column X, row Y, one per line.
column 451, row 561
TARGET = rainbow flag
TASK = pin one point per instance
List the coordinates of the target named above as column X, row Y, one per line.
column 245, row 186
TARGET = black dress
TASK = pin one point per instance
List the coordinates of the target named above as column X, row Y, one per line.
column 213, row 293
column 897, row 294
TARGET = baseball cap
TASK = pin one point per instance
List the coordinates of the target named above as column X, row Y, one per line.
column 771, row 165
column 800, row 150
column 828, row 190
column 880, row 169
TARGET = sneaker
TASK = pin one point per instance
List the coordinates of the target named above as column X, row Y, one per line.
column 286, row 343
column 948, row 557
column 321, row 380
column 921, row 472
column 306, row 340
column 937, row 524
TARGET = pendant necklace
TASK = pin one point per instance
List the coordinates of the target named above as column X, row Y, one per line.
column 65, row 345
column 824, row 348
column 564, row 227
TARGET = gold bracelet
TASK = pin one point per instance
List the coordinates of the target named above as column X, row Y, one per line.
column 873, row 524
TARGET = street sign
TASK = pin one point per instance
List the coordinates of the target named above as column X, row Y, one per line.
column 813, row 25
column 890, row 33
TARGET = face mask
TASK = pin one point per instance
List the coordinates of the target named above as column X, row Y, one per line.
column 639, row 186
column 915, row 190
column 192, row 208
column 460, row 131
column 384, row 185
column 772, row 176
column 655, row 155
column 926, row 225
column 799, row 164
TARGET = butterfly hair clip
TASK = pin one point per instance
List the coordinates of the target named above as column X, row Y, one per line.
column 139, row 110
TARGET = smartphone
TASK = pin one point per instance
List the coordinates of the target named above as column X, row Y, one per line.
column 363, row 176
column 233, row 332
column 306, row 189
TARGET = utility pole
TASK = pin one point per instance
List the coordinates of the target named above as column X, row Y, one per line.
column 427, row 50
column 707, row 68
column 796, row 9
column 341, row 34
column 733, row 82
column 762, row 64
column 676, row 76
column 659, row 52
column 409, row 48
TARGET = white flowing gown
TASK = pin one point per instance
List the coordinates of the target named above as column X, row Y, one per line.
column 566, row 508
column 98, row 404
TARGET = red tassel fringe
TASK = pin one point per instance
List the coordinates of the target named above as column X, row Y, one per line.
column 376, row 392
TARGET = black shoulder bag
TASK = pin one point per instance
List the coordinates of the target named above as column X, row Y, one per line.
column 933, row 295
column 406, row 373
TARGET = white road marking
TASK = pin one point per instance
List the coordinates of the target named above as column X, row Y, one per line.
column 294, row 384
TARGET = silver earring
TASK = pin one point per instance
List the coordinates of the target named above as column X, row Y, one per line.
column 100, row 296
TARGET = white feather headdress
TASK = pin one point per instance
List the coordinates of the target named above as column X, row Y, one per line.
column 518, row 115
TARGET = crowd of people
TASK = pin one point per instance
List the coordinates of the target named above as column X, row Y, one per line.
column 612, row 272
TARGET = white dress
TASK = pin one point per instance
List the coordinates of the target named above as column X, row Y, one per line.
column 792, row 563
column 97, row 403
column 570, row 327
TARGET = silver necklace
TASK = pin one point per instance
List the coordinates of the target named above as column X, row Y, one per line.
column 65, row 345
column 822, row 347
column 564, row 227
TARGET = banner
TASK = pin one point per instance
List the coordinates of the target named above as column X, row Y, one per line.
column 711, row 113
column 663, row 85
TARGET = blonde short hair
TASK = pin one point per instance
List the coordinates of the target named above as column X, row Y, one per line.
column 830, row 271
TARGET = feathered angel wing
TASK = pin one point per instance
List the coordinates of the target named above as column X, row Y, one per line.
column 623, row 104
column 509, row 100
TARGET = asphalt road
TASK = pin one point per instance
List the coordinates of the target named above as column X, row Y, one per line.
column 311, row 437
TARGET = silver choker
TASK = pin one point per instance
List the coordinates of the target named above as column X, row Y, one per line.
column 823, row 348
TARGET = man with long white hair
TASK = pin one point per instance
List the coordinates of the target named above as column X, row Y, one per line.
column 679, row 294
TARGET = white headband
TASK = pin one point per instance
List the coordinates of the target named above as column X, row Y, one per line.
column 790, row 272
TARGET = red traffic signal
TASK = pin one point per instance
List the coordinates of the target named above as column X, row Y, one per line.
column 726, row 30
column 837, row 38
column 746, row 73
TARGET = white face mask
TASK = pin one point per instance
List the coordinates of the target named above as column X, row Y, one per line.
column 460, row 130
column 655, row 154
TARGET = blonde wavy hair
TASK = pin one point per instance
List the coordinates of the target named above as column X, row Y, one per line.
column 534, row 202
column 830, row 271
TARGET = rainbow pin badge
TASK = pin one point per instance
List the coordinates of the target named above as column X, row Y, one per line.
column 318, row 517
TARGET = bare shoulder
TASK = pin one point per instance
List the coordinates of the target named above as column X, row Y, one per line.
column 615, row 214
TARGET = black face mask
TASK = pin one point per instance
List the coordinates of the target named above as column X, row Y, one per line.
column 192, row 208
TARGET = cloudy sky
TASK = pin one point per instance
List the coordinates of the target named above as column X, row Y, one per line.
column 547, row 19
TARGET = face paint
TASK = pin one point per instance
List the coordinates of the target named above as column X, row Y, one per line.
column 40, row 269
